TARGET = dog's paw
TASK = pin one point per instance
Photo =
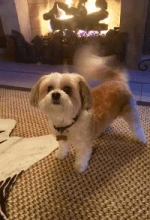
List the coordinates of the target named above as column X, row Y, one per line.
column 80, row 168
column 60, row 154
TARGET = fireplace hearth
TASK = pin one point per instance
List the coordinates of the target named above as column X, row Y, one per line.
column 59, row 47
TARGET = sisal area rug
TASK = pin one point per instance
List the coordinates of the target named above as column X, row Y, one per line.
column 15, row 105
column 115, row 186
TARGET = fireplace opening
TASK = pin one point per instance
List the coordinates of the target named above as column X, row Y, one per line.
column 82, row 17
column 71, row 24
column 87, row 15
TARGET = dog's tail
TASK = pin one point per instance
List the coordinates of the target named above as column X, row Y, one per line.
column 92, row 66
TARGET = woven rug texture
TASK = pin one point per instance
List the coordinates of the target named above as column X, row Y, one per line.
column 116, row 185
column 31, row 122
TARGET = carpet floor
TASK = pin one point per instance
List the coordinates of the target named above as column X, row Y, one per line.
column 115, row 186
column 14, row 104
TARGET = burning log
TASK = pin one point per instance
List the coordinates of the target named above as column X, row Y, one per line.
column 69, row 11
column 61, row 5
column 51, row 13
column 101, row 4
column 76, row 11
column 57, row 24
column 82, row 1
column 80, row 19
column 80, row 22
column 55, row 11
column 95, row 17
column 99, row 27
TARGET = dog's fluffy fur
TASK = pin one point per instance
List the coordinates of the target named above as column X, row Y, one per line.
column 67, row 101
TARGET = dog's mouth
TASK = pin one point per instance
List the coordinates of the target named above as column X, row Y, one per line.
column 56, row 102
column 56, row 98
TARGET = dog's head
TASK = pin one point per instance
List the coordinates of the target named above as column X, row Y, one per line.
column 61, row 93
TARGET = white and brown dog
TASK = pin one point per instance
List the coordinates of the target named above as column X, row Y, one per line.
column 76, row 114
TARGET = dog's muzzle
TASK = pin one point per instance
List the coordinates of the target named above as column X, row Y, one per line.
column 56, row 98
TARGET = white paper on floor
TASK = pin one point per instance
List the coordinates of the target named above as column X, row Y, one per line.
column 17, row 153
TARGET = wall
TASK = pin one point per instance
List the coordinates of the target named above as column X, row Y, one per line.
column 14, row 16
column 133, row 21
column 146, row 46
column 8, row 16
column 23, row 18
column 114, row 9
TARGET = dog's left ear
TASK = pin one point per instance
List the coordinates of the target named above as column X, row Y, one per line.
column 85, row 94
column 34, row 96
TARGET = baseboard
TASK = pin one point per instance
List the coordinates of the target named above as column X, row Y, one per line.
column 143, row 103
column 15, row 88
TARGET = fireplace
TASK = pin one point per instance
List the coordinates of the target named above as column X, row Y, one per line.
column 71, row 24
column 124, row 16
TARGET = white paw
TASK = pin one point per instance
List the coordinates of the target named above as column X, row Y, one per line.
column 60, row 154
column 80, row 167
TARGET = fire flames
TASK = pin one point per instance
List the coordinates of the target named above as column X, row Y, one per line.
column 69, row 3
column 113, row 20
column 90, row 6
column 62, row 14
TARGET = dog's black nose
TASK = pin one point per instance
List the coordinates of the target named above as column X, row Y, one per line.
column 56, row 95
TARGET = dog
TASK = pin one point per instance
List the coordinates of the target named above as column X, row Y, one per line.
column 77, row 114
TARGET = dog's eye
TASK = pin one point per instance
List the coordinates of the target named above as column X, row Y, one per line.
column 49, row 88
column 67, row 89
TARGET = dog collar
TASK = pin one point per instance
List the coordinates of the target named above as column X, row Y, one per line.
column 61, row 137
column 62, row 129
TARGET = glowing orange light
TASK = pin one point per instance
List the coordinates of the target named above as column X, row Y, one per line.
column 91, row 7
column 62, row 14
column 45, row 25
column 69, row 2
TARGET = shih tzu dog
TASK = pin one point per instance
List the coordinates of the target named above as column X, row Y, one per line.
column 76, row 114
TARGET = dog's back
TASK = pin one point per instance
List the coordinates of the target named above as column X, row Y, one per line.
column 113, row 92
column 113, row 96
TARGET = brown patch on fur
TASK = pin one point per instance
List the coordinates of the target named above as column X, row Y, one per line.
column 43, row 89
column 34, row 97
column 108, row 100
column 85, row 95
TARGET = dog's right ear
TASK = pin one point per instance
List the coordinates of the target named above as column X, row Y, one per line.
column 85, row 94
column 34, row 96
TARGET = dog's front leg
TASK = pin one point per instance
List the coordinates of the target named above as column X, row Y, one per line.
column 62, row 149
column 83, row 155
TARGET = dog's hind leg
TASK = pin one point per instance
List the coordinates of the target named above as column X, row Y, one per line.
column 131, row 116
